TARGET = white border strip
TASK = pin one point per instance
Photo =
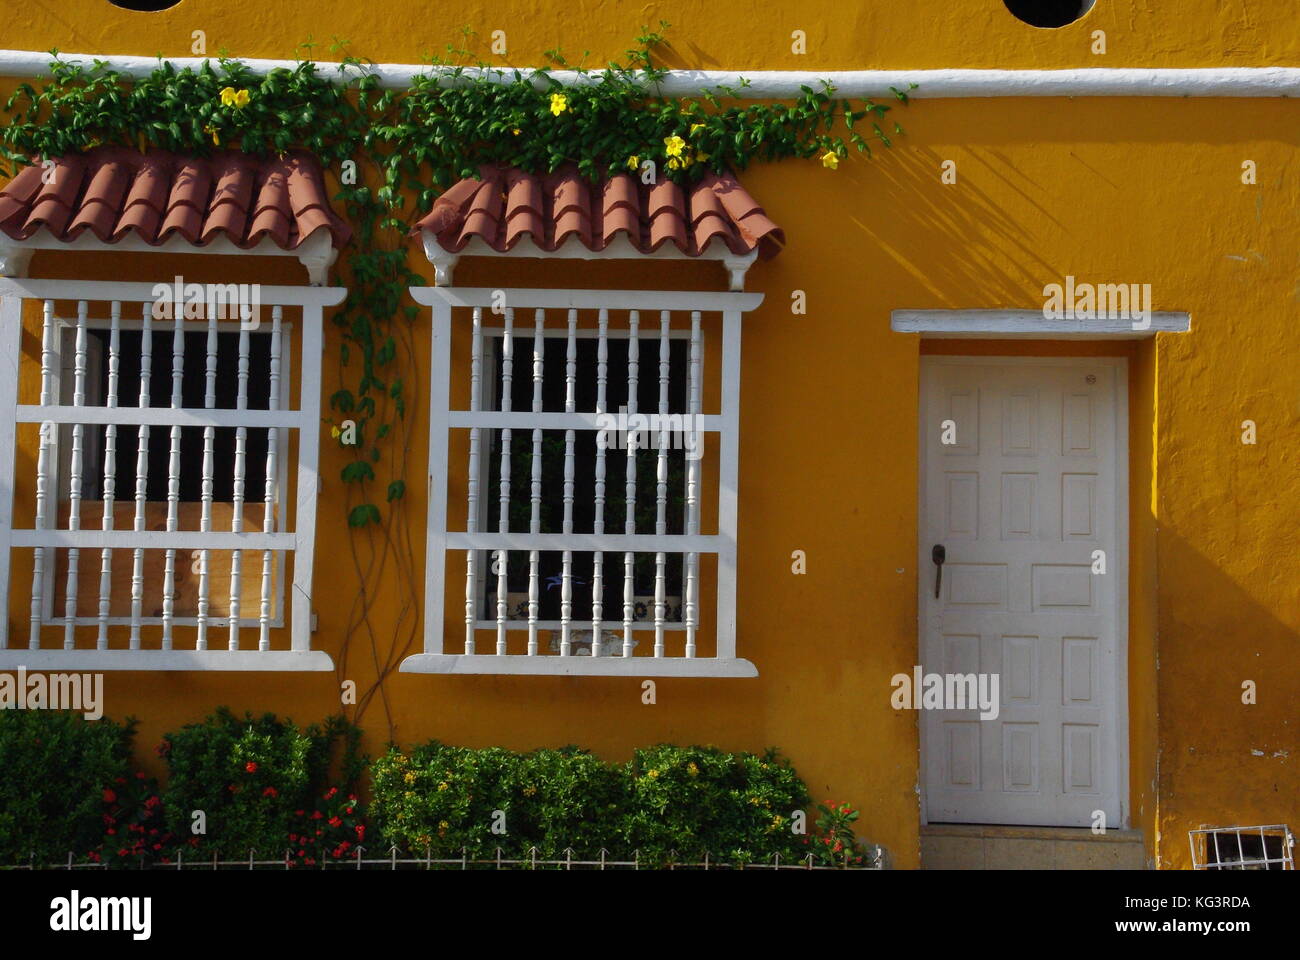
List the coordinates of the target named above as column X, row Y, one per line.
column 784, row 84
column 1008, row 324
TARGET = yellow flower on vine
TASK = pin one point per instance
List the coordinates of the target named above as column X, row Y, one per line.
column 516, row 131
column 230, row 97
column 701, row 156
column 675, row 163
column 673, row 145
column 831, row 160
column 633, row 162
column 335, row 432
column 694, row 127
column 559, row 103
column 216, row 142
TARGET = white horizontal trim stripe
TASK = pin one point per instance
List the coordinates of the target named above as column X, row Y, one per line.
column 495, row 420
column 782, row 84
column 102, row 660
column 143, row 292
column 609, row 542
column 518, row 298
column 161, row 416
column 579, row 666
column 989, row 324
column 155, row 539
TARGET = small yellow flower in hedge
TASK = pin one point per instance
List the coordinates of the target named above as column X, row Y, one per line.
column 529, row 791
column 673, row 145
column 516, row 131
column 633, row 162
column 442, row 786
column 754, row 800
column 692, row 769
column 559, row 103
column 653, row 774
column 409, row 778
column 443, row 824
column 230, row 97
column 831, row 160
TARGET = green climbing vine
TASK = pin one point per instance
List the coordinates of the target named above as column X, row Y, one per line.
column 391, row 153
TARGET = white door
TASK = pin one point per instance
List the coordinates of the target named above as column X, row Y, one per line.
column 1023, row 496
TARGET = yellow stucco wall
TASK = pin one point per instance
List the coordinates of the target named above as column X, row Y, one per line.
column 1111, row 190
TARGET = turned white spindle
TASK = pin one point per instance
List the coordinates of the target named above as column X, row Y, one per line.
column 502, row 557
column 694, row 380
column 566, row 562
column 141, row 474
column 471, row 519
column 110, row 472
column 173, row 478
column 272, row 464
column 661, row 481
column 237, row 492
column 43, row 472
column 205, row 519
column 629, row 523
column 74, row 480
column 535, row 492
column 598, row 526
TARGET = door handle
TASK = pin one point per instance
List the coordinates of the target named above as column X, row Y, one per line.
column 938, row 554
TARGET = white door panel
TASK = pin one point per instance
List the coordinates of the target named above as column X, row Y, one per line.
column 1020, row 501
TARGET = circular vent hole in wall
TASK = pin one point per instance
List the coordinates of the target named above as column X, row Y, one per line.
column 144, row 6
column 1049, row 13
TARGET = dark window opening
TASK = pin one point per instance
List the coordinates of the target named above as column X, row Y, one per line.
column 1048, row 13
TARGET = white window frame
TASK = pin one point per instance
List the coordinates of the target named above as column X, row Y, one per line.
column 301, row 541
column 484, row 658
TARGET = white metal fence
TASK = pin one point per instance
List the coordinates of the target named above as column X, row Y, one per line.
column 130, row 579
column 399, row 860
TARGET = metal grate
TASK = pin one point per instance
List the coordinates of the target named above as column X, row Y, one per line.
column 1267, row 847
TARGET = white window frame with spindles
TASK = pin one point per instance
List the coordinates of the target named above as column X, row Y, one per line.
column 243, row 639
column 696, row 645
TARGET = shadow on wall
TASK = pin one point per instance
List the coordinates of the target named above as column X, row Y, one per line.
column 1222, row 762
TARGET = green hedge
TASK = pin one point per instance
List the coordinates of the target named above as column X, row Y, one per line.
column 265, row 784
column 668, row 803
column 56, row 768
column 255, row 779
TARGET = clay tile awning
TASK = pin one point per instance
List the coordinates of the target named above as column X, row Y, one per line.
column 508, row 206
column 158, row 195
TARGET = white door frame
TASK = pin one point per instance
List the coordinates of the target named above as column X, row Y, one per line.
column 1120, row 566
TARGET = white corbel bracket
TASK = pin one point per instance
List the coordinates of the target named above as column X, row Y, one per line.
column 444, row 263
column 737, row 267
column 317, row 254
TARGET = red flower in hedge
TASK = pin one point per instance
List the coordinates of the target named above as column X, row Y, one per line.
column 335, row 822
column 361, row 831
column 270, row 792
column 250, row 767
column 110, row 796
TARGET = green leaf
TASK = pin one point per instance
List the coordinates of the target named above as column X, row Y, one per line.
column 362, row 514
column 396, row 490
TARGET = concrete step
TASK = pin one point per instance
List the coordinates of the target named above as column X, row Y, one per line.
column 985, row 847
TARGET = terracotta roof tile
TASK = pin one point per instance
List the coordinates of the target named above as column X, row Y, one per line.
column 115, row 191
column 508, row 206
